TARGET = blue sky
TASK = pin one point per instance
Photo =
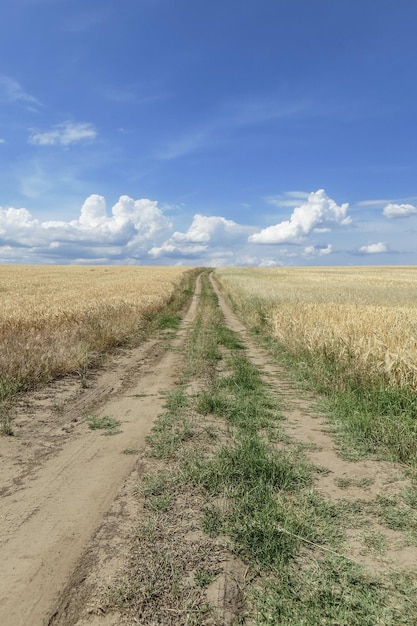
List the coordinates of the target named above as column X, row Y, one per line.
column 229, row 132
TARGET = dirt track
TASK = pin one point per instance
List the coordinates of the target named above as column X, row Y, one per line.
column 55, row 492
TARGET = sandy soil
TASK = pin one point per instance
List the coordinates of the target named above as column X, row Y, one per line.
column 59, row 477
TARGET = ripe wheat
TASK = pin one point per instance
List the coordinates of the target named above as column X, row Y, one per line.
column 55, row 320
column 362, row 318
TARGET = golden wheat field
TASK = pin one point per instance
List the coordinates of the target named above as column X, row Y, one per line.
column 57, row 319
column 366, row 317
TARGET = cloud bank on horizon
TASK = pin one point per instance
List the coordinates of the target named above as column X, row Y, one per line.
column 139, row 231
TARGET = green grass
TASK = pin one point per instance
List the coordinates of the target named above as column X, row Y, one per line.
column 156, row 484
column 165, row 321
column 172, row 428
column 345, row 482
column 6, row 427
column 204, row 578
column 376, row 420
column 212, row 521
column 395, row 512
column 375, row 541
column 229, row 339
column 159, row 503
column 106, row 423
column 332, row 592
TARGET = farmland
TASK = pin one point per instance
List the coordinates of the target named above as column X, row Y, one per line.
column 352, row 334
column 58, row 320
column 218, row 495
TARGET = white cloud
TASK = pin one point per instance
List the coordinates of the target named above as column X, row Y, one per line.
column 372, row 203
column 210, row 240
column 394, row 211
column 205, row 236
column 314, row 251
column 379, row 203
column 2, row 140
column 267, row 263
column 206, row 228
column 374, row 248
column 16, row 225
column 64, row 134
column 297, row 194
column 133, row 227
column 172, row 251
column 288, row 199
column 319, row 211
column 141, row 231
column 12, row 91
column 216, row 241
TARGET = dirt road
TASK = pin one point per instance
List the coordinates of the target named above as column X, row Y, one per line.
column 59, row 477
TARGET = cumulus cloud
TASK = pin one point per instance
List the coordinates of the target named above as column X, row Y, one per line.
column 206, row 228
column 314, row 251
column 141, row 231
column 394, row 211
column 317, row 212
column 171, row 251
column 374, row 248
column 64, row 134
column 216, row 241
column 133, row 227
column 206, row 234
column 17, row 227
column 132, row 231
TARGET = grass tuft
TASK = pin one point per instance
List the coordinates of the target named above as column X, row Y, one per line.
column 106, row 423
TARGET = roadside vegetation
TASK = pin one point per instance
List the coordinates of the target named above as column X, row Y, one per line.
column 348, row 333
column 57, row 320
column 233, row 530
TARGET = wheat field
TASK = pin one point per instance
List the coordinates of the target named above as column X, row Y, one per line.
column 363, row 318
column 59, row 319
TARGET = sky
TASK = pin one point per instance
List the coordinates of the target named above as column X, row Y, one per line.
column 230, row 132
